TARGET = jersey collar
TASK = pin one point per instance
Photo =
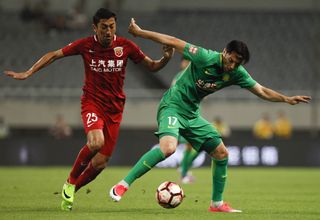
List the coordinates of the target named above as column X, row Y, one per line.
column 96, row 39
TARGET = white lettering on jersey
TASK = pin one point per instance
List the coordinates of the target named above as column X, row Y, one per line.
column 106, row 66
column 111, row 63
column 119, row 63
column 102, row 63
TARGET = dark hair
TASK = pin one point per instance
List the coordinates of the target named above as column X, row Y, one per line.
column 240, row 48
column 103, row 13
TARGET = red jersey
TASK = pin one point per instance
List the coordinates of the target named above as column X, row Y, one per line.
column 105, row 68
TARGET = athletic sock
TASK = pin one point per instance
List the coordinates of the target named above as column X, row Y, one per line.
column 89, row 174
column 146, row 162
column 80, row 164
column 219, row 176
column 186, row 163
column 217, row 203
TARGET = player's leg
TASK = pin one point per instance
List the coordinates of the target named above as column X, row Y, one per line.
column 219, row 174
column 99, row 161
column 82, row 168
column 189, row 156
column 168, row 145
column 168, row 133
column 93, row 125
column 203, row 136
column 80, row 164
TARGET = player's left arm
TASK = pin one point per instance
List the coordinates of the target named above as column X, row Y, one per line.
column 273, row 96
column 164, row 39
column 155, row 65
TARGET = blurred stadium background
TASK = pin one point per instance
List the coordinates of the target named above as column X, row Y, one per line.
column 283, row 37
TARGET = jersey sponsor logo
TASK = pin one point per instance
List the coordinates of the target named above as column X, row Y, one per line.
column 207, row 86
column 193, row 49
column 118, row 51
column 106, row 65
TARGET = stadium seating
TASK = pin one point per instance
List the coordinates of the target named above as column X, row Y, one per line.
column 281, row 44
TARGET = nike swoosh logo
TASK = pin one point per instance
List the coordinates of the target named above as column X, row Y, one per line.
column 147, row 165
column 64, row 193
column 225, row 176
column 91, row 51
column 89, row 125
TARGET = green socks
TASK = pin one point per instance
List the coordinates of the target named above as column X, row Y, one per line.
column 188, row 157
column 146, row 163
column 219, row 176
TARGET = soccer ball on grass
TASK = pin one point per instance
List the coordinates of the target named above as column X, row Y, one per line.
column 169, row 195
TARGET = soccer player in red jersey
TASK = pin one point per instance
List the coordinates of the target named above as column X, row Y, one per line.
column 105, row 57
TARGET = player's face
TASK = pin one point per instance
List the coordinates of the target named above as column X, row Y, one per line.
column 230, row 60
column 105, row 30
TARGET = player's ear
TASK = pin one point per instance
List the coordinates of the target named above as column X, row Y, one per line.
column 94, row 27
column 224, row 52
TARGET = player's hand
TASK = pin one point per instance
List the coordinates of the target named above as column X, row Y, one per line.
column 167, row 51
column 297, row 99
column 134, row 28
column 15, row 75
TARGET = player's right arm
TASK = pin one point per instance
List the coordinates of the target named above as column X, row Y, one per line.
column 44, row 61
column 171, row 41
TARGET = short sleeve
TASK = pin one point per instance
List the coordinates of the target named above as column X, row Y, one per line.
column 245, row 80
column 136, row 54
column 198, row 55
column 73, row 48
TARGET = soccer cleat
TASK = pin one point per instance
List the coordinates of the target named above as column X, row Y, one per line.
column 117, row 191
column 66, row 206
column 68, row 192
column 189, row 179
column 225, row 207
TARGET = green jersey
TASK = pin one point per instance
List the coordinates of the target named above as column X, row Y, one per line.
column 202, row 77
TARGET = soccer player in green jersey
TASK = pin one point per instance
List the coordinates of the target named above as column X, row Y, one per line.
column 178, row 112
column 189, row 154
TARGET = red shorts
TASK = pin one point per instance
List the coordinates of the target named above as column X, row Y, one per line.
column 94, row 116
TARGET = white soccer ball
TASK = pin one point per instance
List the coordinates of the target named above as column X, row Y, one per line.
column 169, row 195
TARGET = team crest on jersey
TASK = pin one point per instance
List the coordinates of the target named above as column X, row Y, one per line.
column 193, row 49
column 118, row 51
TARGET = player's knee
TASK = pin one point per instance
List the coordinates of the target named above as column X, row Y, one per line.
column 168, row 149
column 95, row 144
column 221, row 154
column 168, row 145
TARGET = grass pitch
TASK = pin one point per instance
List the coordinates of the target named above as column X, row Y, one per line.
column 261, row 193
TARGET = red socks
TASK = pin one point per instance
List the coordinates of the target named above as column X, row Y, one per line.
column 80, row 164
column 89, row 174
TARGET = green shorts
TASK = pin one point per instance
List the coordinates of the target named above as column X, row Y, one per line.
column 196, row 130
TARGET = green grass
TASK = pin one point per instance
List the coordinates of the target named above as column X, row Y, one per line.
column 274, row 193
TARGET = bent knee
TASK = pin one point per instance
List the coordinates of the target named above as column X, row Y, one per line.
column 95, row 145
column 168, row 151
column 220, row 153
column 168, row 145
column 95, row 140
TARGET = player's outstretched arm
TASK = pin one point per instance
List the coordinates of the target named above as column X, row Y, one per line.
column 273, row 96
column 171, row 41
column 155, row 65
column 42, row 62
